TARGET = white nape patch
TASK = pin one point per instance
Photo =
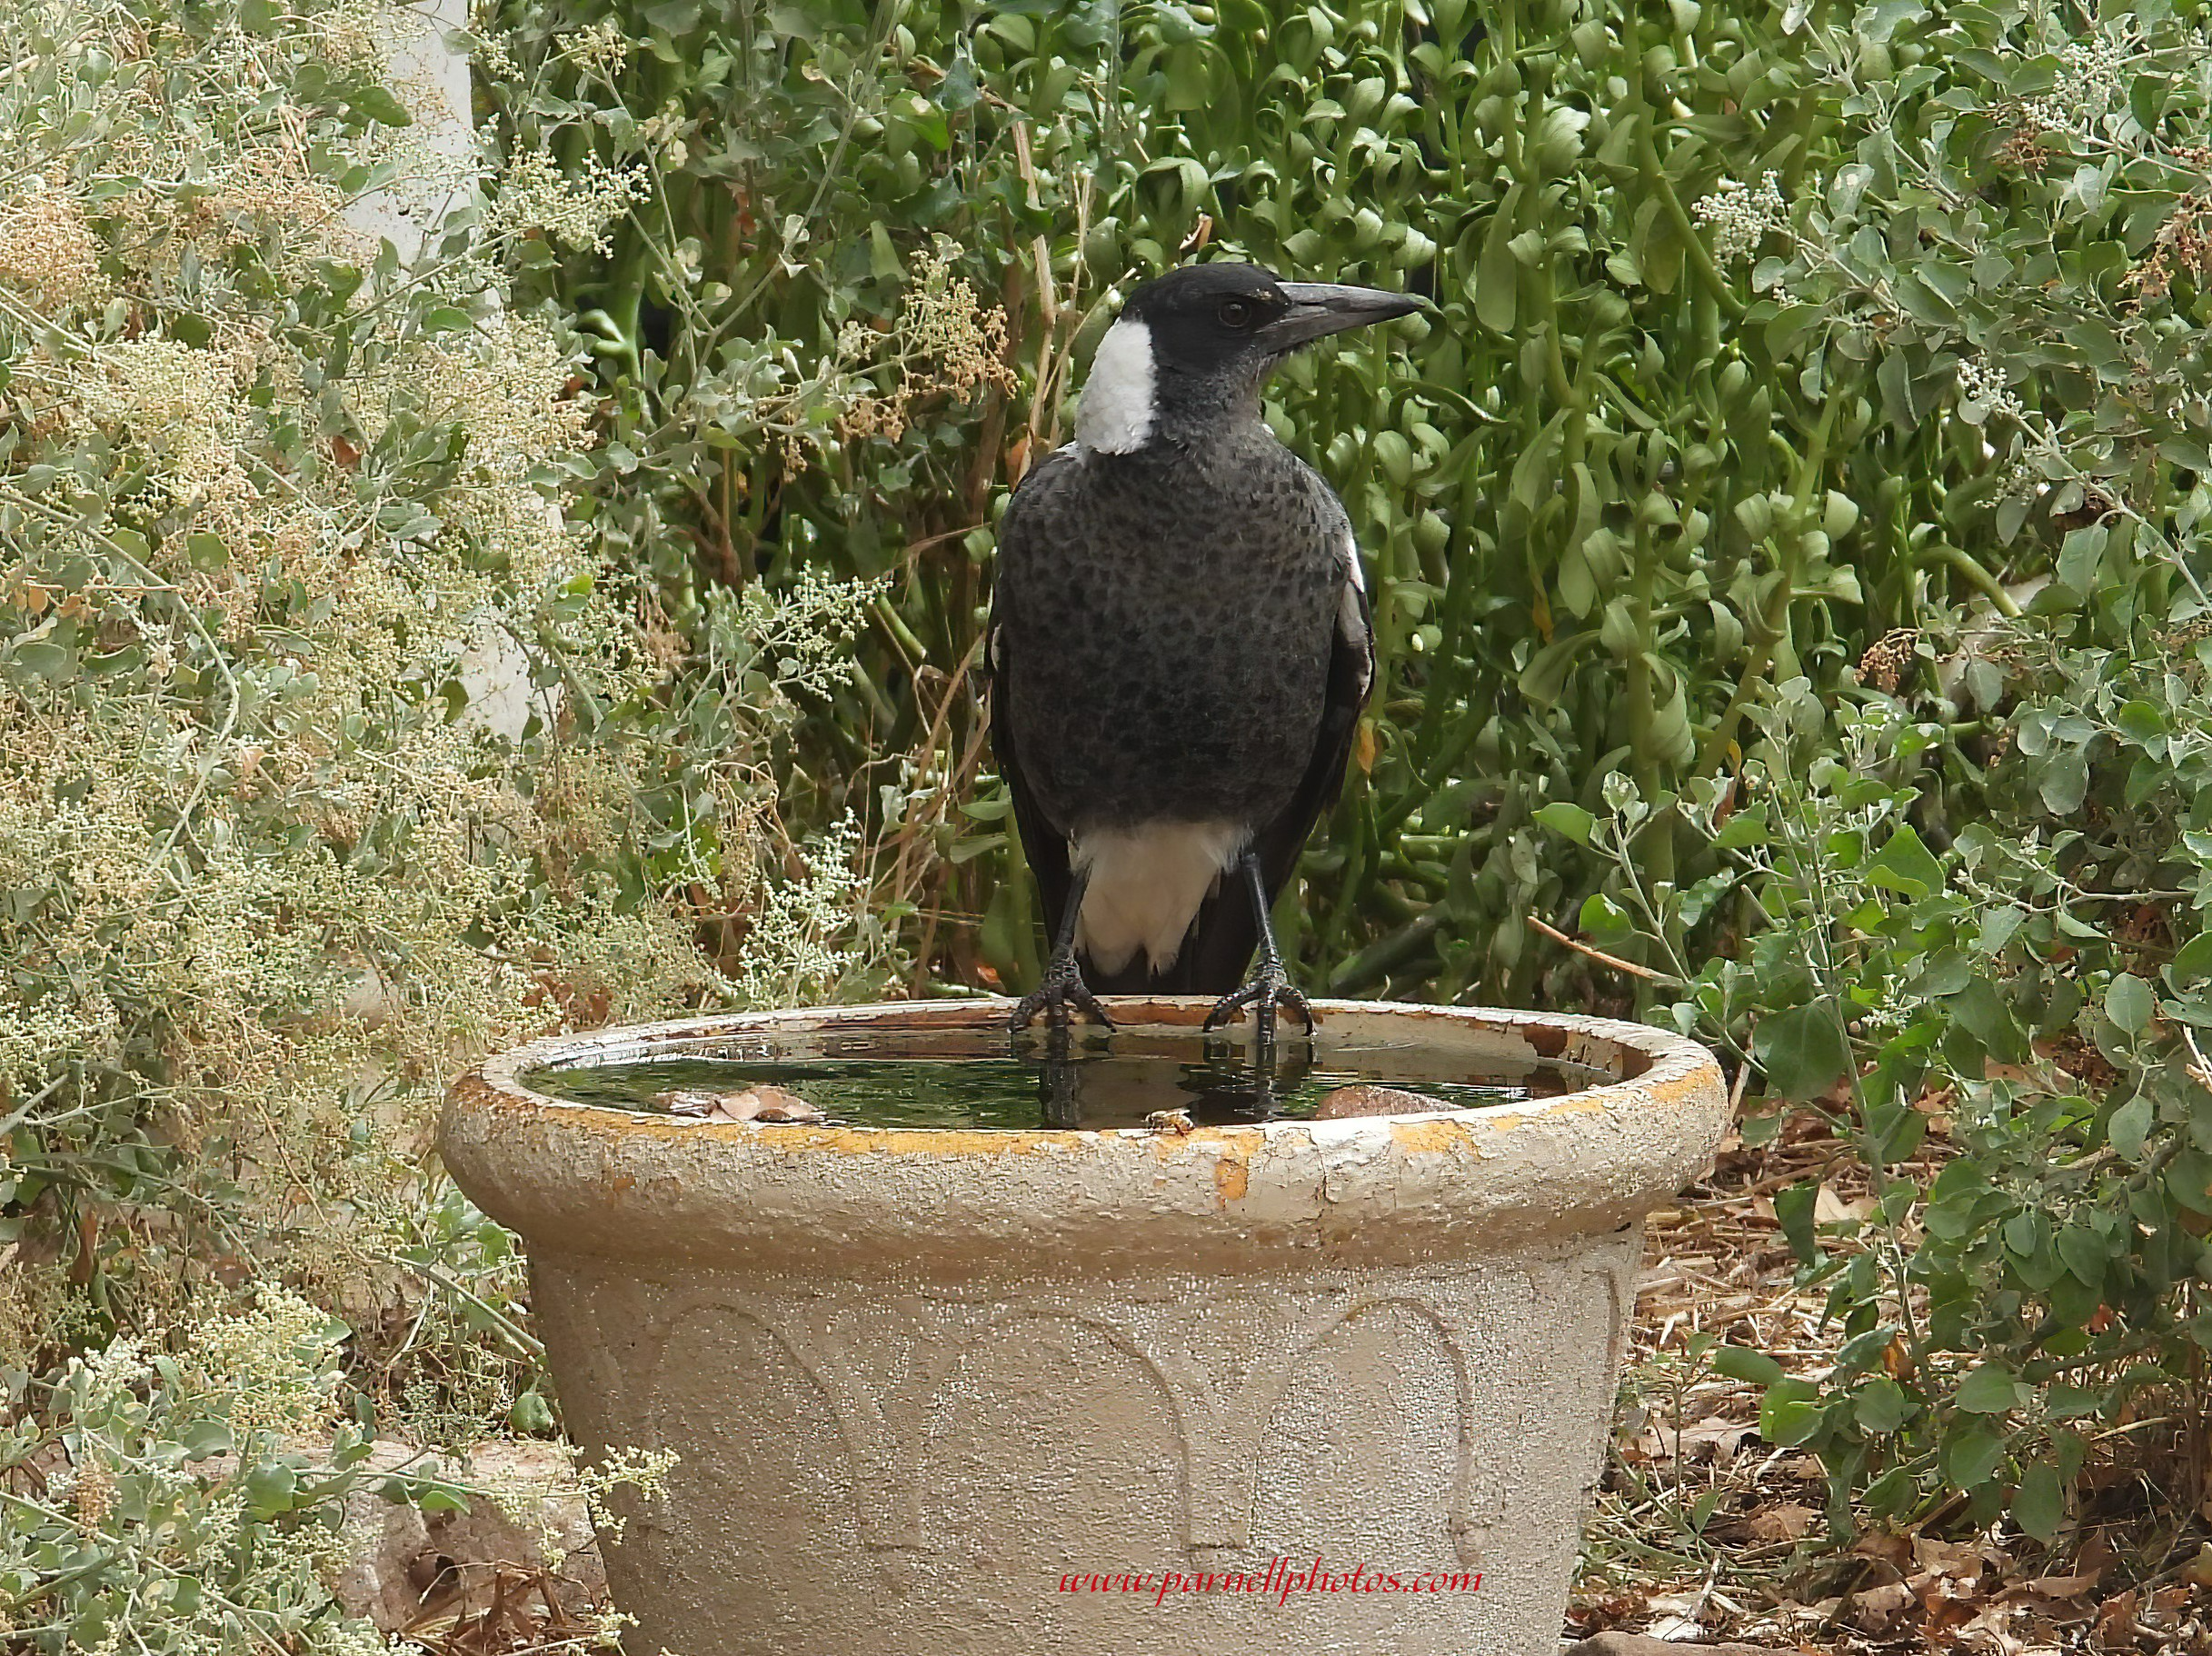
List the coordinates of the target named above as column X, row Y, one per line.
column 1115, row 414
column 1146, row 886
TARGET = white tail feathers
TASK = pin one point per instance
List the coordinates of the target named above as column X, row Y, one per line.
column 1146, row 886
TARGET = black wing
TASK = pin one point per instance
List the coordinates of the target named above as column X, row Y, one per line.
column 1219, row 944
column 1045, row 848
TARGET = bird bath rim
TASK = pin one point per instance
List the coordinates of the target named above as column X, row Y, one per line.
column 1648, row 1064
column 985, row 1202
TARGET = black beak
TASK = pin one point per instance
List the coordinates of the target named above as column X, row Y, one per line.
column 1321, row 308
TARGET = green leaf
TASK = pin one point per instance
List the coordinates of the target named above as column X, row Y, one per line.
column 379, row 105
column 1745, row 828
column 1604, row 919
column 2063, row 781
column 1761, row 1130
column 2129, row 1126
column 269, row 1488
column 48, row 660
column 2192, row 961
column 530, row 1414
column 1998, row 929
column 2129, row 1003
column 1992, row 1389
column 1496, row 274
column 2140, row 722
column 1789, row 1412
column 1562, row 816
column 203, row 1438
column 957, row 89
column 1881, row 1406
column 1980, row 1010
column 2085, row 1254
column 1741, row 1362
column 2078, row 556
column 1545, row 677
column 1802, row 1050
column 2063, row 1402
column 1970, row 1458
column 1793, row 1210
column 1904, row 864
column 2038, row 1505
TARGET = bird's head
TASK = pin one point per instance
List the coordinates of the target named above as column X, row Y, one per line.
column 1195, row 344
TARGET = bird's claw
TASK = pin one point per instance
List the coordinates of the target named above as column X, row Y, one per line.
column 1063, row 988
column 1269, row 988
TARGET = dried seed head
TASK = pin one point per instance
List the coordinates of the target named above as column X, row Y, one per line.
column 1887, row 658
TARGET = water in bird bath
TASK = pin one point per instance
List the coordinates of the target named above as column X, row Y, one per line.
column 979, row 1078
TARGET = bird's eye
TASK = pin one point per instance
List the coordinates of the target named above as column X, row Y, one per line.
column 1236, row 313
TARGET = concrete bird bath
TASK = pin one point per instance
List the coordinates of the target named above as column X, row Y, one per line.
column 928, row 1384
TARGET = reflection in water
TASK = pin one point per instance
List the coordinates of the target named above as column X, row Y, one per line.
column 1222, row 1087
column 1079, row 1076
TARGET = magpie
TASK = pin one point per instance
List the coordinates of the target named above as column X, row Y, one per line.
column 1178, row 650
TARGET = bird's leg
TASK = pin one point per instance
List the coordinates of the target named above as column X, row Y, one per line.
column 1269, row 985
column 1063, row 982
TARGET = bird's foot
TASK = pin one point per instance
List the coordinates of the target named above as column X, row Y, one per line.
column 1059, row 996
column 1267, row 988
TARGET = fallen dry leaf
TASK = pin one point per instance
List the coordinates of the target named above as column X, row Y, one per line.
column 1876, row 1607
column 761, row 1103
column 2198, row 1571
column 1897, row 1361
column 2115, row 1629
column 1942, row 1558
column 1892, row 1548
column 1714, row 1437
column 1784, row 1521
column 1831, row 1209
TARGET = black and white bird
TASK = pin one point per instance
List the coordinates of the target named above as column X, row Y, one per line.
column 1179, row 649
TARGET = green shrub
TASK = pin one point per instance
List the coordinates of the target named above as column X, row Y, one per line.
column 2045, row 973
column 2045, row 1283
column 201, row 1499
column 1604, row 511
column 333, row 751
column 2010, row 244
